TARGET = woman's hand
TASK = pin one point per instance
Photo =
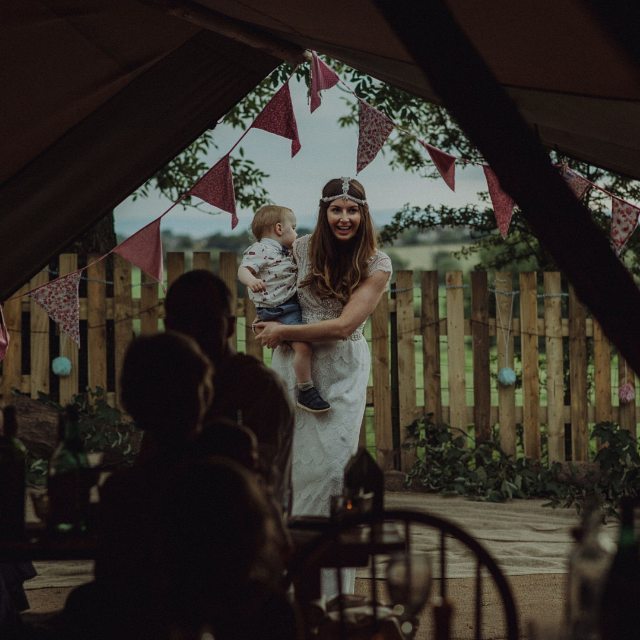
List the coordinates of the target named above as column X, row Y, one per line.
column 269, row 333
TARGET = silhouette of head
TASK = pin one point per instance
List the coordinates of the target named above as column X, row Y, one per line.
column 166, row 384
column 198, row 304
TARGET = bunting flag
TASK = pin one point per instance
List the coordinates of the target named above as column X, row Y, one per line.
column 216, row 188
column 624, row 220
column 278, row 117
column 375, row 128
column 322, row 77
column 60, row 300
column 445, row 164
column 576, row 182
column 502, row 203
column 144, row 249
column 4, row 336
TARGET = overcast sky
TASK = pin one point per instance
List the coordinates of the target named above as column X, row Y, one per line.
column 328, row 151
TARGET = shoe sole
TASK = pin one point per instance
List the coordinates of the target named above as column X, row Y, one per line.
column 312, row 410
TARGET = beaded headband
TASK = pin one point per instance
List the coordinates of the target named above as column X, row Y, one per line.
column 345, row 193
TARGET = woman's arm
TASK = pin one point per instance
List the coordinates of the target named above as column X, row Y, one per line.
column 359, row 307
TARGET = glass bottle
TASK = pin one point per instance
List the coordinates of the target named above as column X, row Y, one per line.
column 620, row 604
column 68, row 485
column 13, row 456
column 589, row 563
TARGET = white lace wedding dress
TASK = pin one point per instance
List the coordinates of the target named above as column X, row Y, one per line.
column 323, row 443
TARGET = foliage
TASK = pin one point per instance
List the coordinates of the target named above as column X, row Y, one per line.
column 449, row 461
column 103, row 428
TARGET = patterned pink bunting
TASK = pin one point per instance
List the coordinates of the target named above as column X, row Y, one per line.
column 216, row 188
column 4, row 336
column 60, row 300
column 445, row 164
column 576, row 182
column 278, row 117
column 322, row 77
column 375, row 128
column 144, row 249
column 624, row 220
column 502, row 203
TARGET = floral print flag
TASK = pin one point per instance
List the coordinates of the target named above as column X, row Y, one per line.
column 278, row 117
column 576, row 182
column 322, row 77
column 624, row 220
column 216, row 188
column 502, row 203
column 375, row 128
column 445, row 164
column 60, row 300
column 144, row 249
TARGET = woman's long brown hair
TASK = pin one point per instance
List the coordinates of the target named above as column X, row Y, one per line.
column 337, row 268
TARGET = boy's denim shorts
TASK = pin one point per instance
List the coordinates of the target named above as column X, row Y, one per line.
column 286, row 313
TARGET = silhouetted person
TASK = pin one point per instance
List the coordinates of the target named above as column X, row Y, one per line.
column 166, row 388
column 198, row 304
column 217, row 553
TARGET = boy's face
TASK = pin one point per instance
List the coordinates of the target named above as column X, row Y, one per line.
column 288, row 231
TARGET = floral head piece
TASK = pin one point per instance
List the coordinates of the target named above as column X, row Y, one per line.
column 345, row 193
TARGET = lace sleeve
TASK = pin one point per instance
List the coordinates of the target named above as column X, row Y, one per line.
column 380, row 262
column 300, row 248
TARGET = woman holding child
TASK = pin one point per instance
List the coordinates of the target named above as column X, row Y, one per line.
column 341, row 276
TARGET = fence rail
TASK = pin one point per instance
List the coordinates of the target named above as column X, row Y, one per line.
column 435, row 347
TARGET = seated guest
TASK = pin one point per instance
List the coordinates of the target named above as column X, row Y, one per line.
column 198, row 304
column 216, row 551
column 166, row 388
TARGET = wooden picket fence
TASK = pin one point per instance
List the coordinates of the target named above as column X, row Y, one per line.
column 427, row 354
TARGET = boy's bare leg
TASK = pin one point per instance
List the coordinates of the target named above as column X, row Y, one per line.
column 308, row 397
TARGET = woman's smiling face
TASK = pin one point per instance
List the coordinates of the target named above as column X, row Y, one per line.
column 344, row 218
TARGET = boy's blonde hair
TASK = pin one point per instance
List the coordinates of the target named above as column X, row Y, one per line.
column 267, row 217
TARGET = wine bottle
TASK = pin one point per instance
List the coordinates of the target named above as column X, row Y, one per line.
column 12, row 478
column 620, row 604
column 67, row 484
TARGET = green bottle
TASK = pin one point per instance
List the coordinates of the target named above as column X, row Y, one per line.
column 620, row 604
column 13, row 456
column 68, row 482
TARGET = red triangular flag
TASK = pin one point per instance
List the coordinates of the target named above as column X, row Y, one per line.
column 624, row 220
column 216, row 188
column 576, row 182
column 60, row 300
column 144, row 249
column 322, row 77
column 375, row 128
column 445, row 164
column 4, row 336
column 502, row 203
column 277, row 117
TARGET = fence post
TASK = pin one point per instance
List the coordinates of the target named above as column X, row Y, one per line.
column 229, row 273
column 406, row 359
column 202, row 260
column 122, row 315
column 504, row 344
column 578, row 378
column 554, row 365
column 431, row 345
column 39, row 326
column 149, row 304
column 602, row 374
column 97, row 323
column 68, row 385
column 529, row 353
column 175, row 266
column 455, row 351
column 480, row 339
column 381, row 387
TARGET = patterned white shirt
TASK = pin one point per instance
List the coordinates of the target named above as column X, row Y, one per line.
column 271, row 262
